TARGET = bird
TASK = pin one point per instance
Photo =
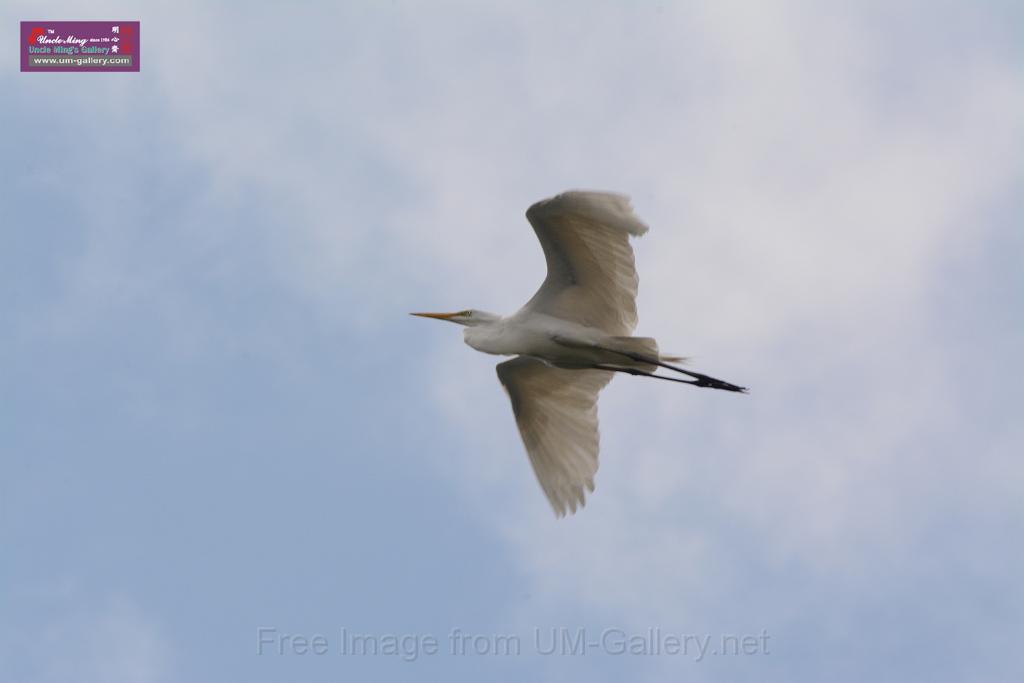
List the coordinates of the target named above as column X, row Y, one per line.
column 572, row 337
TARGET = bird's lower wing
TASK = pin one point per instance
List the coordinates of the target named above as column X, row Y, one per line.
column 556, row 412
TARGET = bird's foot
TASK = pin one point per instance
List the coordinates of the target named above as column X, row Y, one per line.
column 712, row 383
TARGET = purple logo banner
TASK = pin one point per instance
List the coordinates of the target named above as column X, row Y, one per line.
column 79, row 46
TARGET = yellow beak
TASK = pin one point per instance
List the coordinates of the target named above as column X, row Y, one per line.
column 438, row 316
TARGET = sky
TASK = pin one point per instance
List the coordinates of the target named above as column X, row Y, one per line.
column 221, row 432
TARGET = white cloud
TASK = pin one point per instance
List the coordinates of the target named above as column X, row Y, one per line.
column 801, row 216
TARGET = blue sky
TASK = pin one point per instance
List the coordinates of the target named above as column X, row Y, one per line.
column 218, row 416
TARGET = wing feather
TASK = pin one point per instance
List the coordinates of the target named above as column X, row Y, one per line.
column 591, row 276
column 556, row 412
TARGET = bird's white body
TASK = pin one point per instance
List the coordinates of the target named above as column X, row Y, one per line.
column 571, row 337
column 535, row 335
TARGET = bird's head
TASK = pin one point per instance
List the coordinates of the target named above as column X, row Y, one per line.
column 469, row 317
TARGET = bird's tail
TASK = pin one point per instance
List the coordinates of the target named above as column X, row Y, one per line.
column 645, row 346
column 642, row 347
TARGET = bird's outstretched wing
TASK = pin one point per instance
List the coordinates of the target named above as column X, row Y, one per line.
column 591, row 272
column 556, row 411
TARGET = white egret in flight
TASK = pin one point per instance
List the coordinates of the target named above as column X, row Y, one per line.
column 571, row 338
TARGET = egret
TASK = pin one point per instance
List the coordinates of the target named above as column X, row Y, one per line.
column 572, row 337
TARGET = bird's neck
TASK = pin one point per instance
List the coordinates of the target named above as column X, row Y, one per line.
column 488, row 337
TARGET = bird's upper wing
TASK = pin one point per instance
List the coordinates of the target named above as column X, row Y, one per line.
column 591, row 273
column 556, row 411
